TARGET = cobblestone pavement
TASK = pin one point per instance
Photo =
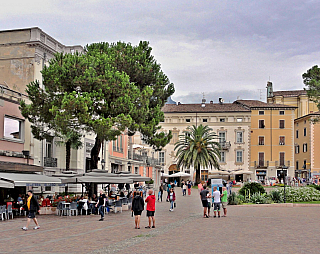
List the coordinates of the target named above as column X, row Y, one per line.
column 245, row 230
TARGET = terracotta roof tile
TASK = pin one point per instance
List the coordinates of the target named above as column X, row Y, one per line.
column 209, row 108
column 261, row 104
column 292, row 93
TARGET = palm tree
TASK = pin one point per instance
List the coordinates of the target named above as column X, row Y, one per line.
column 198, row 147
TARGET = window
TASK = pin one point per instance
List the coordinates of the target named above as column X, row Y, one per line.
column 222, row 137
column 282, row 140
column 239, row 120
column 261, row 112
column 121, row 146
column 297, row 133
column 305, row 121
column 305, row 132
column 282, row 159
column 261, row 159
column 144, row 154
column 136, row 170
column 305, row 147
column 281, row 124
column 297, row 165
column 304, row 164
column 281, row 112
column 47, row 188
column 48, row 149
column 205, row 120
column 188, row 120
column 239, row 138
column 161, row 157
column 261, row 141
column 223, row 157
column 13, row 128
column 239, row 156
column 222, row 120
column 297, row 149
column 261, row 124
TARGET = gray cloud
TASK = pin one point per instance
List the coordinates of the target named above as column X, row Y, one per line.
column 203, row 46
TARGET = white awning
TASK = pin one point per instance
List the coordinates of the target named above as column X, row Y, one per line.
column 97, row 179
column 180, row 174
column 30, row 179
column 6, row 184
column 136, row 146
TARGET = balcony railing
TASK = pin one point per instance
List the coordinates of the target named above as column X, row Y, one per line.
column 138, row 157
column 261, row 164
column 50, row 162
column 117, row 149
column 225, row 145
column 282, row 164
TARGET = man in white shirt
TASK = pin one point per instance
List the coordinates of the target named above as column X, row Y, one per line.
column 216, row 202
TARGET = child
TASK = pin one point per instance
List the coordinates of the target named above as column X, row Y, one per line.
column 216, row 202
column 172, row 198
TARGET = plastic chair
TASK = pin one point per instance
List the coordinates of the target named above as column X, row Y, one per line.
column 85, row 206
column 124, row 201
column 73, row 207
column 9, row 211
column 59, row 208
column 118, row 204
column 48, row 202
column 2, row 212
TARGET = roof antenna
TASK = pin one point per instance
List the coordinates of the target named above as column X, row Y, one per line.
column 203, row 104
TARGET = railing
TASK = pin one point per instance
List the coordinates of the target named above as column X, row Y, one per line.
column 282, row 164
column 225, row 145
column 117, row 149
column 50, row 162
column 261, row 164
column 138, row 157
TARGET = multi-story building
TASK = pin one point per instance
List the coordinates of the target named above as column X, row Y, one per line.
column 271, row 139
column 306, row 164
column 296, row 98
column 307, row 133
column 230, row 121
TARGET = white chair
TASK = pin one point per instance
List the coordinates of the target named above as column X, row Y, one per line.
column 85, row 206
column 117, row 205
column 9, row 211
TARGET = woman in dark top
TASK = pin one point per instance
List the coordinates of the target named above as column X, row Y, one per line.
column 137, row 207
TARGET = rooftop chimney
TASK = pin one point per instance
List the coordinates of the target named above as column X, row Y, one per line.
column 211, row 102
column 221, row 100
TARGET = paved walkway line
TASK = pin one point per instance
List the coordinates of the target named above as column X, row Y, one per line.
column 280, row 205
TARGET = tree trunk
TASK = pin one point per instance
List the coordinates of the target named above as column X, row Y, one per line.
column 68, row 154
column 95, row 153
column 198, row 172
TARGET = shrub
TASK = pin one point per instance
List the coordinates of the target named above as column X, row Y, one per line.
column 276, row 196
column 299, row 194
column 258, row 198
column 233, row 199
column 317, row 187
column 251, row 188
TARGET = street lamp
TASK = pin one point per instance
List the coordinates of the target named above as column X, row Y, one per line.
column 282, row 172
column 148, row 165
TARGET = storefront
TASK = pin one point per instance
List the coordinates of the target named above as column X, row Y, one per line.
column 261, row 175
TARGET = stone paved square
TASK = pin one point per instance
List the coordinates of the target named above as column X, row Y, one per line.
column 247, row 229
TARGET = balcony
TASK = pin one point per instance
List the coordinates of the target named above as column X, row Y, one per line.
column 50, row 162
column 261, row 164
column 225, row 145
column 282, row 164
column 138, row 157
column 117, row 149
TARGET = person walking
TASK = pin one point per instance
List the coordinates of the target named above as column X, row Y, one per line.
column 216, row 202
column 151, row 208
column 168, row 191
column 160, row 193
column 224, row 201
column 33, row 207
column 189, row 188
column 101, row 204
column 137, row 207
column 204, row 200
column 184, row 189
column 172, row 199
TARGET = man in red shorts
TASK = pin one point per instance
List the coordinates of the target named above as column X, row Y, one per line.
column 151, row 208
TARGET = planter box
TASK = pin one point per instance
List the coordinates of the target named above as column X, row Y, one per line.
column 47, row 210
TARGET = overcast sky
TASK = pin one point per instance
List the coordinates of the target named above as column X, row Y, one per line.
column 220, row 48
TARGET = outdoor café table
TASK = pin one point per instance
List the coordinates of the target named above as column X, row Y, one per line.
column 64, row 206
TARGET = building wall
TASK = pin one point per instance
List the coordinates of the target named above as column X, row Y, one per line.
column 271, row 134
column 177, row 123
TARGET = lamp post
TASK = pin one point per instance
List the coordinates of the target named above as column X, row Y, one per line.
column 282, row 172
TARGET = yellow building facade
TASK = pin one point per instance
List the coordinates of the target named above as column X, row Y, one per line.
column 271, row 139
column 307, row 133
